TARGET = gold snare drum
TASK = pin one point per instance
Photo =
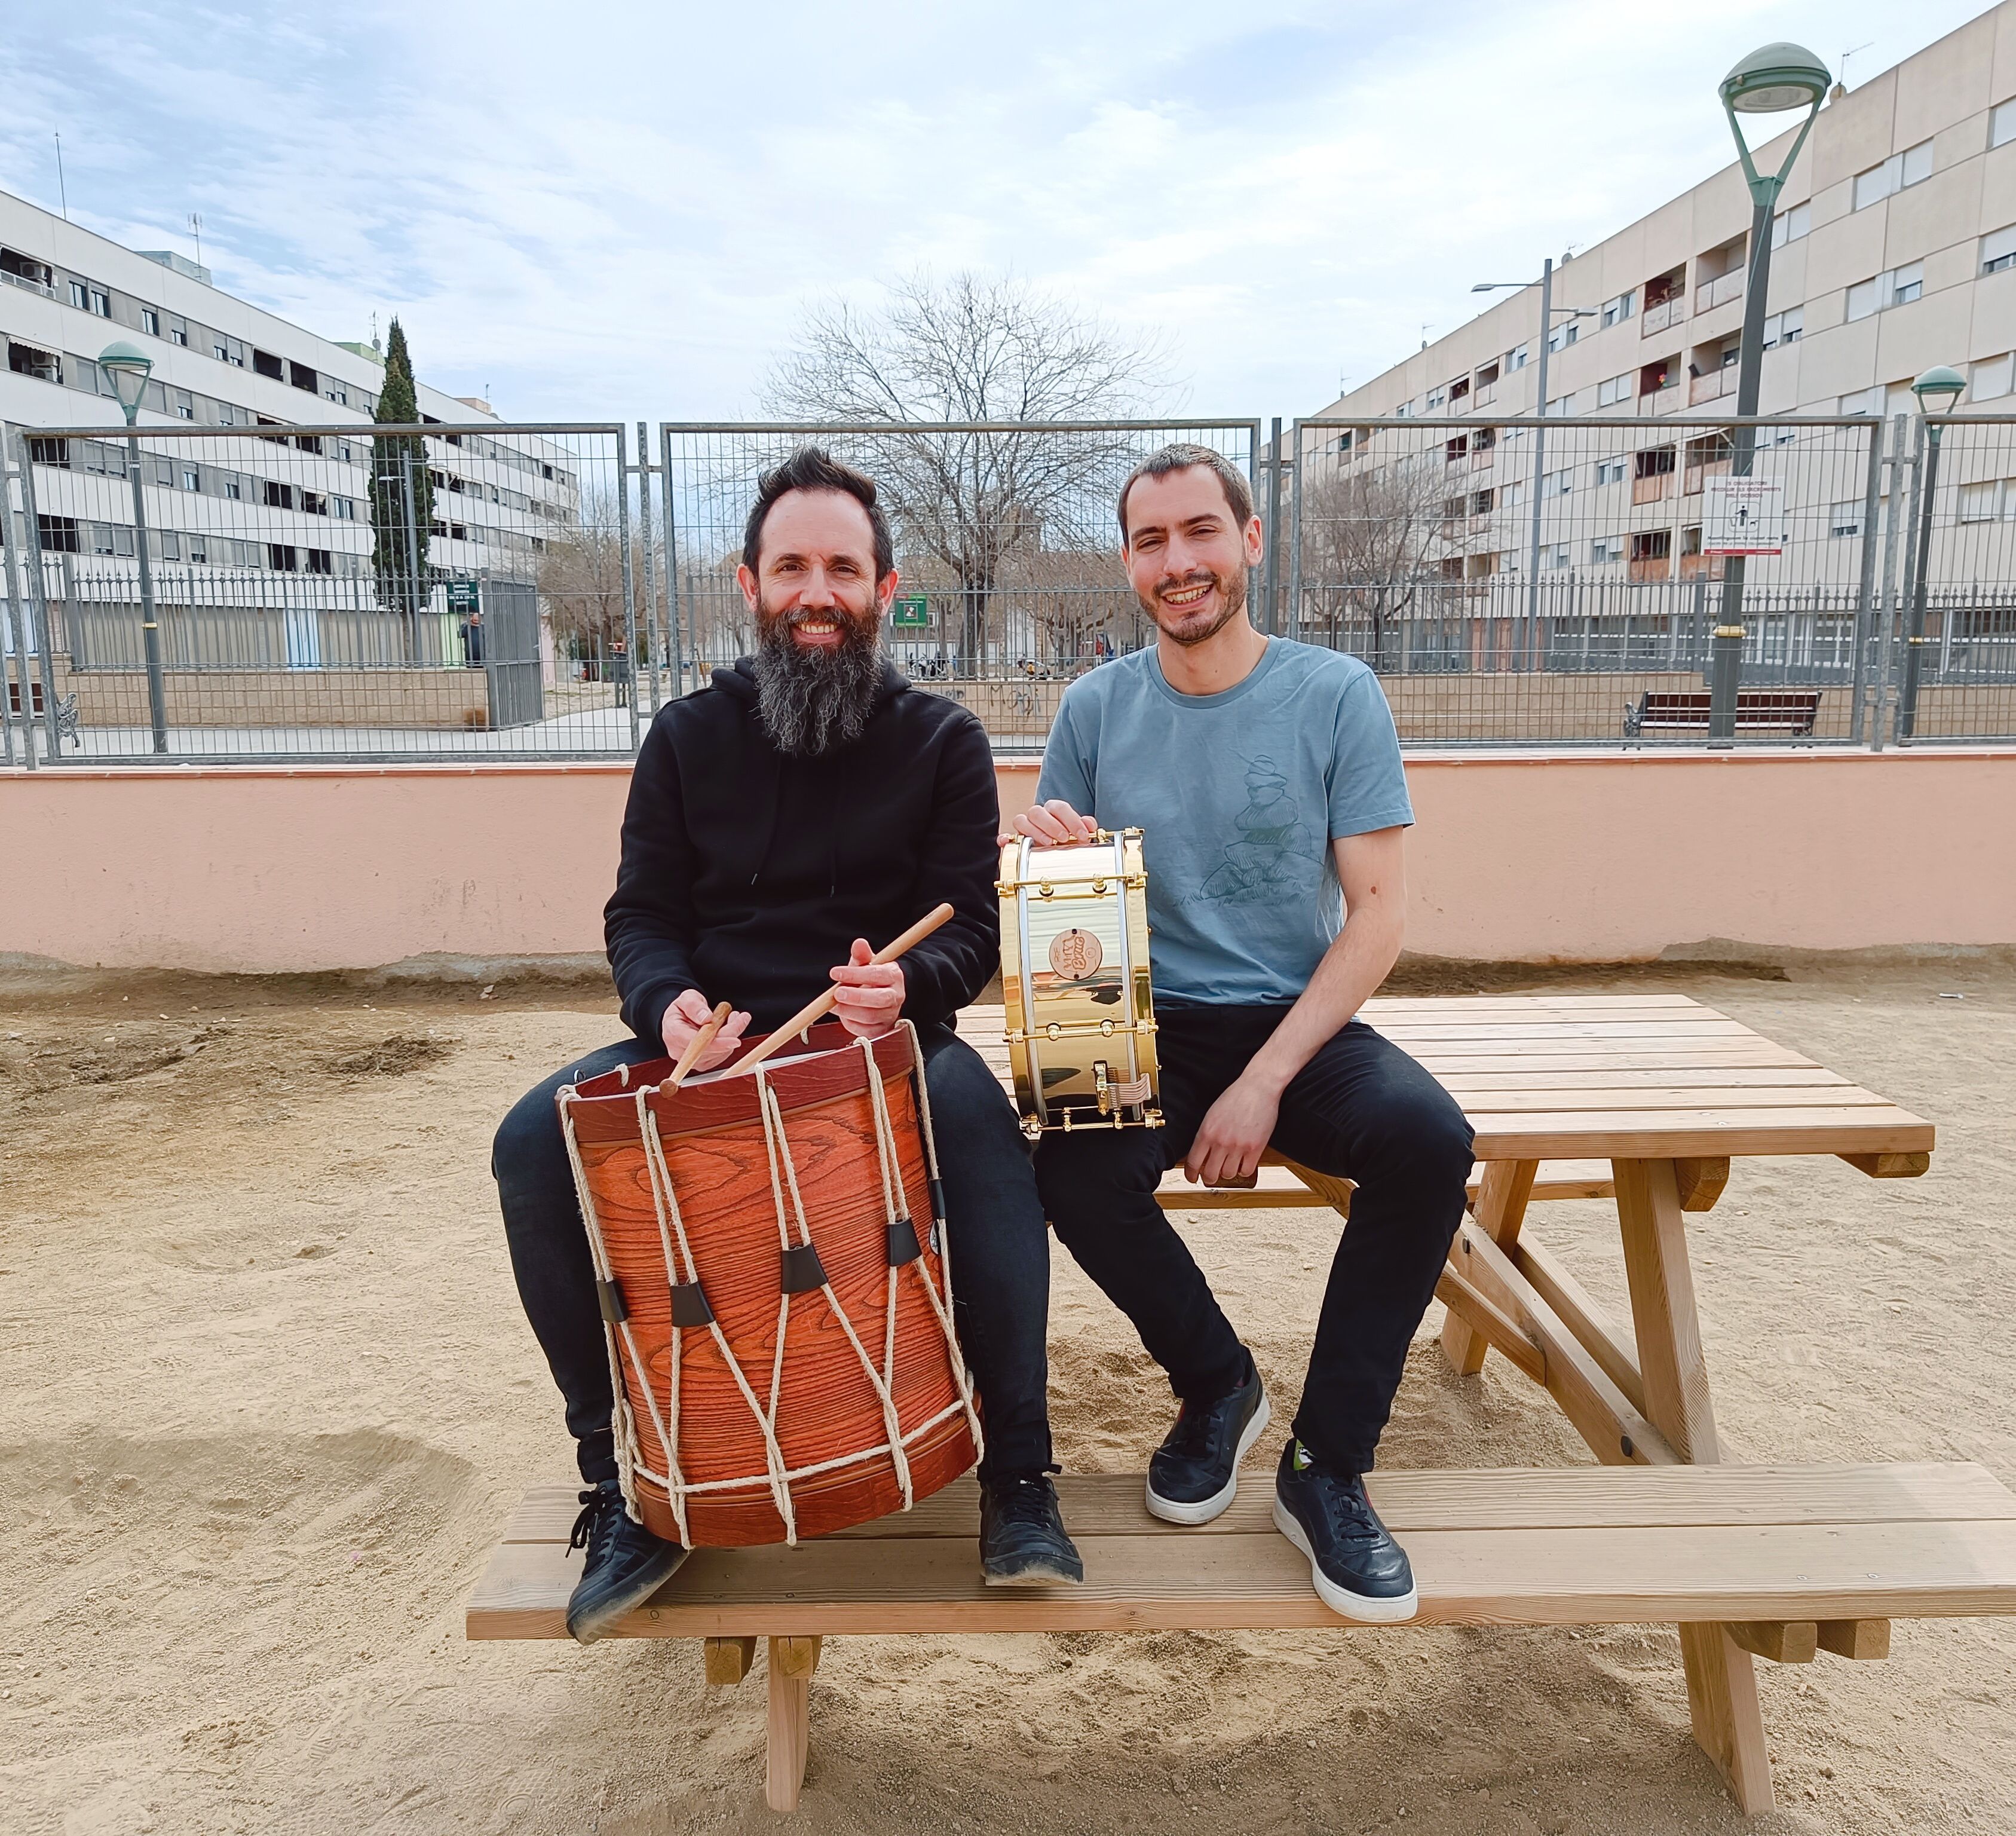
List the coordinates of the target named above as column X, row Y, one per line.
column 1081, row 1020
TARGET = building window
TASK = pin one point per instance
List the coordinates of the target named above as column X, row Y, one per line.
column 192, row 478
column 179, row 335
column 1845, row 519
column 282, row 557
column 150, row 322
column 185, row 407
column 1515, row 359
column 1981, row 503
column 1610, row 472
column 1557, row 484
column 1607, row 548
column 226, row 417
column 231, row 489
column 1998, row 251
column 1862, row 401
column 1791, row 226
column 57, row 535
column 267, row 364
column 1614, row 389
column 1560, row 404
column 1990, row 379
column 80, row 296
column 1895, row 287
column 199, row 550
column 1436, row 398
column 2002, row 125
column 278, row 496
column 1563, row 335
column 314, row 504
column 1615, row 312
column 343, row 509
column 1785, row 327
column 339, row 397
column 101, row 303
column 1911, row 167
column 318, row 560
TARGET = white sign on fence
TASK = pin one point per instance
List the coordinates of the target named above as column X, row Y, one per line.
column 1742, row 515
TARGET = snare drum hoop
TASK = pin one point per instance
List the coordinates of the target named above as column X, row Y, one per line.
column 1127, row 876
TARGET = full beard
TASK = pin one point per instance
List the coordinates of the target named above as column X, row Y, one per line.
column 809, row 702
column 1189, row 628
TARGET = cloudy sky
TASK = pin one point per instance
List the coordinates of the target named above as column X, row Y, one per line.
column 622, row 209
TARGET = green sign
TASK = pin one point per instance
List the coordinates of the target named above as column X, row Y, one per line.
column 911, row 614
column 465, row 596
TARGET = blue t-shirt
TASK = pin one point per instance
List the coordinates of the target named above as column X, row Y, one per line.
column 1238, row 796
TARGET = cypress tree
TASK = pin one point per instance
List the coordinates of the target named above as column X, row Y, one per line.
column 399, row 479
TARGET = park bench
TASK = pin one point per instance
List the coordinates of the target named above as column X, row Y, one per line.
column 1657, row 1093
column 1791, row 711
column 65, row 709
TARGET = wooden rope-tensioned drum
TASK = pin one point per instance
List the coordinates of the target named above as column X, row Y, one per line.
column 770, row 1255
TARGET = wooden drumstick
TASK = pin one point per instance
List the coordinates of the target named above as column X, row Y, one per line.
column 814, row 1010
column 697, row 1047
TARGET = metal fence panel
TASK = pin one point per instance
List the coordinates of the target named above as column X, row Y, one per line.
column 326, row 591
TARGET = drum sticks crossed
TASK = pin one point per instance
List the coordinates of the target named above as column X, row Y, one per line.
column 812, row 1010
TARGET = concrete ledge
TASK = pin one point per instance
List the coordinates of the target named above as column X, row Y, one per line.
column 452, row 870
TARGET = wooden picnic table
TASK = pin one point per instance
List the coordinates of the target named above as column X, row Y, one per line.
column 1642, row 1097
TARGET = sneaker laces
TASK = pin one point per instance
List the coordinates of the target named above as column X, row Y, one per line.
column 1030, row 1499
column 1354, row 1522
column 1191, row 1438
column 594, row 1515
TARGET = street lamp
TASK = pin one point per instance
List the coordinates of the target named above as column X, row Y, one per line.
column 1937, row 390
column 1769, row 82
column 1547, row 310
column 129, row 367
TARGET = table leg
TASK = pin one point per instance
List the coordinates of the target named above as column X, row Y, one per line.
column 1501, row 1209
column 1721, row 1682
column 791, row 1664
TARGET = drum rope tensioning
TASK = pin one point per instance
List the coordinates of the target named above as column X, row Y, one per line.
column 801, row 1272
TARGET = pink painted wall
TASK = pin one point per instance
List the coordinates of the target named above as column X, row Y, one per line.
column 1589, row 858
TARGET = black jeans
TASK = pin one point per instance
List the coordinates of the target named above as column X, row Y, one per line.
column 1360, row 1109
column 1000, row 1251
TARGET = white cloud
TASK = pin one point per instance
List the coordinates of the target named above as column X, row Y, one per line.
column 620, row 208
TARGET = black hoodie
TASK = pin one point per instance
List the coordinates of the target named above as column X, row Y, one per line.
column 747, row 874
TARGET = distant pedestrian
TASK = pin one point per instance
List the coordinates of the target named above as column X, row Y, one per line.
column 619, row 670
column 472, row 640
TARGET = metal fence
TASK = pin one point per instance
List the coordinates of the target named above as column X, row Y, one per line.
column 492, row 589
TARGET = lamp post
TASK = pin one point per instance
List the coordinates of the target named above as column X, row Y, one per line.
column 1937, row 390
column 1768, row 81
column 1547, row 310
column 129, row 368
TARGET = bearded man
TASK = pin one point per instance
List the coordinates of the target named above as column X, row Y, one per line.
column 1266, row 776
column 809, row 800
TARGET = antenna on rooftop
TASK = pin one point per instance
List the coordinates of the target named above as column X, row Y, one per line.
column 62, row 190
column 1427, row 326
column 195, row 230
column 1840, row 82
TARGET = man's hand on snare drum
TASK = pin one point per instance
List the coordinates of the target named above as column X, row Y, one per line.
column 686, row 1017
column 1054, row 824
column 869, row 999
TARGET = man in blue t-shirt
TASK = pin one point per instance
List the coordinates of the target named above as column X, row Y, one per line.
column 1267, row 777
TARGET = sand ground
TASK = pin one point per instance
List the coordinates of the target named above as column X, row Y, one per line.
column 270, row 1395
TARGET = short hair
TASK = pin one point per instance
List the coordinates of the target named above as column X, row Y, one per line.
column 1180, row 456
column 812, row 468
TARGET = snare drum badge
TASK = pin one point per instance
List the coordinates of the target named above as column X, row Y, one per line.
column 1075, row 954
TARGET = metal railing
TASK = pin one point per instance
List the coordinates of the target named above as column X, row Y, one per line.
column 491, row 589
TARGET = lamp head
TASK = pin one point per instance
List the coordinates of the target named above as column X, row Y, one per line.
column 1939, row 389
column 129, row 367
column 1774, row 78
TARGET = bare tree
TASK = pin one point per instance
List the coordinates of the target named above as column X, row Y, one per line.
column 580, row 577
column 977, row 349
column 1371, row 529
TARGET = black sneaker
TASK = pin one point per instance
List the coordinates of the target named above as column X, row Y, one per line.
column 1359, row 1570
column 1195, row 1472
column 624, row 1566
column 1022, row 1538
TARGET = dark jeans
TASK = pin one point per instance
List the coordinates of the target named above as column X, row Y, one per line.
column 1360, row 1109
column 1000, row 1251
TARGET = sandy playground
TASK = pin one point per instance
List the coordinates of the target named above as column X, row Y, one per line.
column 269, row 1396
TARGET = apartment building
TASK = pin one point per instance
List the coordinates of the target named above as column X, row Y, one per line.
column 1894, row 249
column 270, row 521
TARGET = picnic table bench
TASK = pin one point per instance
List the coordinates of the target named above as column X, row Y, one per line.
column 1757, row 710
column 1641, row 1098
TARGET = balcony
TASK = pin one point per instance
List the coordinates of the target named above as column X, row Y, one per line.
column 1695, row 472
column 1712, row 386
column 1720, row 291
column 27, row 284
column 1654, row 567
column 1650, row 490
column 1697, row 566
column 1661, row 401
column 1663, row 316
